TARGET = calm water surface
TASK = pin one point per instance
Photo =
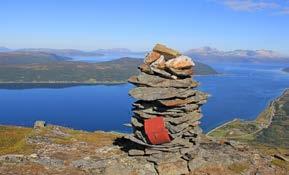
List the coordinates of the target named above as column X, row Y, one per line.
column 243, row 91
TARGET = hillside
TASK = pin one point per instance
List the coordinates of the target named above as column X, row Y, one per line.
column 32, row 67
column 270, row 128
column 64, row 52
column 69, row 72
column 24, row 57
column 269, row 132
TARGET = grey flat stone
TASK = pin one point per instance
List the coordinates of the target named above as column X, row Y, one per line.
column 151, row 94
column 157, row 81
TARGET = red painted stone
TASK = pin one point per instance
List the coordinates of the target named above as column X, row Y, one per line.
column 156, row 131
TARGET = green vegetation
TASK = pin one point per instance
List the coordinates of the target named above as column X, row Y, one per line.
column 69, row 72
column 204, row 69
column 22, row 57
column 39, row 67
column 270, row 128
column 237, row 130
column 12, row 140
column 239, row 168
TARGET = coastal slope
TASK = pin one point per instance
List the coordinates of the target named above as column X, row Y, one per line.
column 270, row 128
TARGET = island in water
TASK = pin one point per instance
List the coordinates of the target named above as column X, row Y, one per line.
column 43, row 67
column 286, row 70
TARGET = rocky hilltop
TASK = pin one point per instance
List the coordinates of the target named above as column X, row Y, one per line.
column 57, row 150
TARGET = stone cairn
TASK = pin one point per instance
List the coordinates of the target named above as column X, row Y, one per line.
column 165, row 89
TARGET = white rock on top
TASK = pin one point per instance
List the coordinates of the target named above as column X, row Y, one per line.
column 180, row 62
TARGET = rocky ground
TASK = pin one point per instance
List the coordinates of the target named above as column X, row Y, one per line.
column 58, row 150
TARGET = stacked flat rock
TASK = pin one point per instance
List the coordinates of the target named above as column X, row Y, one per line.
column 165, row 88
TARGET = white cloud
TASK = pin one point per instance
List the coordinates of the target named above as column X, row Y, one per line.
column 250, row 5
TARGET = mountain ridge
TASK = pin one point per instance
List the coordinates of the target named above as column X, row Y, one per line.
column 209, row 54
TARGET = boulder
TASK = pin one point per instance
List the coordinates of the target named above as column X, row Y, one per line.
column 152, row 57
column 39, row 124
column 145, row 68
column 180, row 62
column 167, row 52
column 159, row 63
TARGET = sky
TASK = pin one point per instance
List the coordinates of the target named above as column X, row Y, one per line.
column 139, row 24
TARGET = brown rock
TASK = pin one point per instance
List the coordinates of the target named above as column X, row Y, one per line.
column 159, row 63
column 151, row 111
column 190, row 118
column 136, row 152
column 157, row 81
column 145, row 68
column 181, row 72
column 162, row 73
column 180, row 102
column 175, row 102
column 180, row 62
column 167, row 52
column 142, row 115
column 151, row 151
column 136, row 123
column 152, row 57
column 151, row 94
column 174, row 167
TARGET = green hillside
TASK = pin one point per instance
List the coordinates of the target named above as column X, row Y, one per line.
column 39, row 67
column 23, row 57
column 271, row 128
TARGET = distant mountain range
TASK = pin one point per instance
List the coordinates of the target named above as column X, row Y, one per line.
column 4, row 49
column 75, row 52
column 208, row 54
column 204, row 54
column 113, row 50
column 64, row 52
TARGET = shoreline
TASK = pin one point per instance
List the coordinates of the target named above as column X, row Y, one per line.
column 263, row 125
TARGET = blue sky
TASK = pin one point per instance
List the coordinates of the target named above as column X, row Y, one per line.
column 138, row 24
